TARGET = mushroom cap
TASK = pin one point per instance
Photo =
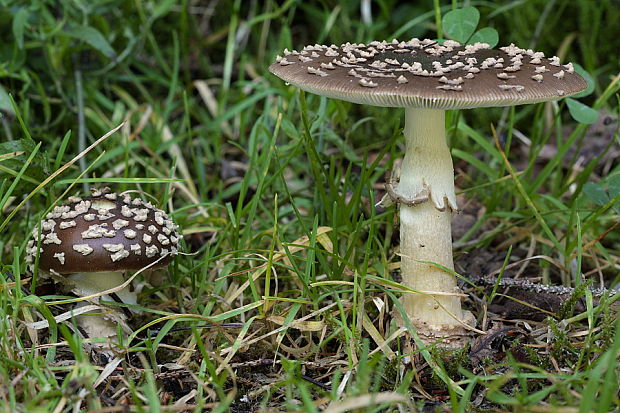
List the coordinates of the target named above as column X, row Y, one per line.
column 104, row 232
column 425, row 74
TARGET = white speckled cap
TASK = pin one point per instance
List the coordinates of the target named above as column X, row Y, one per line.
column 425, row 74
column 104, row 232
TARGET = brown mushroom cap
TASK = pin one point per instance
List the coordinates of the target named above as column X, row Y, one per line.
column 104, row 232
column 425, row 74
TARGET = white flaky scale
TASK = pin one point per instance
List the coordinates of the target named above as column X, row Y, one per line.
column 372, row 73
column 120, row 223
column 367, row 83
column 60, row 256
column 112, row 247
column 69, row 215
column 48, row 225
column 316, row 71
column 98, row 231
column 83, row 249
column 151, row 250
column 505, row 76
column 457, row 81
column 119, row 255
column 52, row 238
column 89, row 243
column 513, row 68
column 163, row 240
column 140, row 214
column 511, row 49
column 285, row 62
column 518, row 88
column 536, row 58
column 559, row 75
column 159, row 217
column 66, row 224
column 538, row 78
column 332, row 53
column 126, row 211
column 378, row 64
column 450, row 87
column 105, row 215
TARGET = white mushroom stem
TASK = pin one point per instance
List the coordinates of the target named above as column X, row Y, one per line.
column 426, row 194
column 101, row 323
column 86, row 284
column 90, row 283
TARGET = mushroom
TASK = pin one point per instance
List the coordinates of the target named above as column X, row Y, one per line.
column 89, row 243
column 422, row 77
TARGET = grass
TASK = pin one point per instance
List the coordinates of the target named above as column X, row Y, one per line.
column 285, row 296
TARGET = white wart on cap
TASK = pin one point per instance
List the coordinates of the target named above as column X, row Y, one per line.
column 104, row 232
column 424, row 74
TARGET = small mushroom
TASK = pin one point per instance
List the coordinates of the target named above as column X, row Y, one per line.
column 87, row 245
column 425, row 189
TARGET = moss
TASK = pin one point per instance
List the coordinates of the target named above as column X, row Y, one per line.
column 530, row 355
column 451, row 361
column 607, row 324
column 561, row 347
column 568, row 308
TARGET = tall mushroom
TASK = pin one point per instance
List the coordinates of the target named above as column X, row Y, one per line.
column 88, row 244
column 427, row 78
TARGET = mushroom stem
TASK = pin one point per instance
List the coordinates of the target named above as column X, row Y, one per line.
column 425, row 229
column 89, row 283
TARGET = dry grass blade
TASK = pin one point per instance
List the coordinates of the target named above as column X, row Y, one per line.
column 11, row 155
column 66, row 316
column 296, row 324
column 377, row 338
column 366, row 400
column 107, row 370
